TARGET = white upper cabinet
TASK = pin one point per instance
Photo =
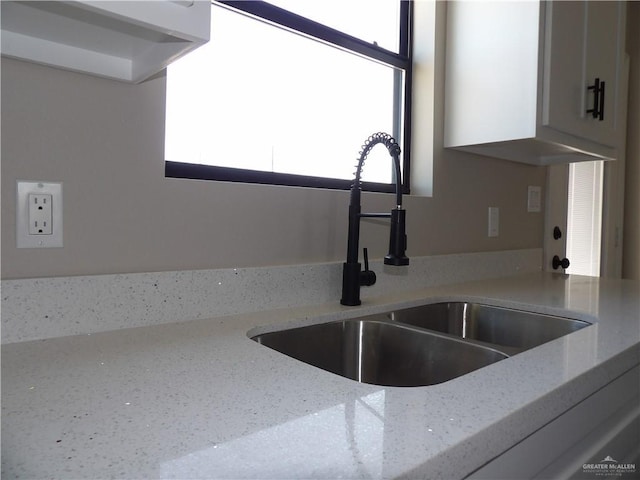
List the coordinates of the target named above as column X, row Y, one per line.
column 121, row 40
column 535, row 82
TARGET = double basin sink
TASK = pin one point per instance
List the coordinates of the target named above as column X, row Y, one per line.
column 419, row 346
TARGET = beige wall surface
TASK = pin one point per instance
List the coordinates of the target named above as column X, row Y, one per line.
column 104, row 141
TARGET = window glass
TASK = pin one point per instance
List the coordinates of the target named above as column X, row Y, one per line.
column 584, row 217
column 262, row 98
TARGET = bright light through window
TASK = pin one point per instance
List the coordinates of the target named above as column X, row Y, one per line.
column 584, row 217
column 374, row 21
column 262, row 98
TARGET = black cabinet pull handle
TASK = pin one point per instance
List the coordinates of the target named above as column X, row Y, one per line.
column 601, row 107
column 598, row 99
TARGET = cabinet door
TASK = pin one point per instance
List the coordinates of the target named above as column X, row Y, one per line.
column 582, row 44
column 603, row 60
column 605, row 423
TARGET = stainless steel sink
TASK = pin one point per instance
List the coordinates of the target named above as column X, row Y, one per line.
column 511, row 331
column 419, row 346
column 381, row 352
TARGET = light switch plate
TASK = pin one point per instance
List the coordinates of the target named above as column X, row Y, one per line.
column 38, row 214
column 494, row 222
column 534, row 199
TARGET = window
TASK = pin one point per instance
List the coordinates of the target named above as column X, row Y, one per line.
column 584, row 217
column 288, row 96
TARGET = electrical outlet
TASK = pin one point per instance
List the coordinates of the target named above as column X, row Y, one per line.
column 39, row 215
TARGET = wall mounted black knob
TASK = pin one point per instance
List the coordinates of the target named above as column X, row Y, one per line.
column 556, row 262
column 557, row 233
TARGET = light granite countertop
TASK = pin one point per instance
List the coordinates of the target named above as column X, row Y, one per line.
column 199, row 399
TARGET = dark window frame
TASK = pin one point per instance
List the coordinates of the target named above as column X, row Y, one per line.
column 296, row 23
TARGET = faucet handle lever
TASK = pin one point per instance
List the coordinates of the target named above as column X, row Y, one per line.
column 367, row 277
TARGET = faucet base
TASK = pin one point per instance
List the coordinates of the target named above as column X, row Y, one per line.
column 353, row 277
column 351, row 284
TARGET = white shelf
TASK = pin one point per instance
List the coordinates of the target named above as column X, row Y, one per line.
column 122, row 40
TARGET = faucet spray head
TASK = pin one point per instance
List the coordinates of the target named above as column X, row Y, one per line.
column 397, row 239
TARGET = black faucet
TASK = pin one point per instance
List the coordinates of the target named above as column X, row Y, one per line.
column 353, row 277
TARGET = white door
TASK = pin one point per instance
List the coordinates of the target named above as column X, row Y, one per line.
column 555, row 222
column 583, row 221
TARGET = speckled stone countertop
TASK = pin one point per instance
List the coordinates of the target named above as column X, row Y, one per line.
column 199, row 399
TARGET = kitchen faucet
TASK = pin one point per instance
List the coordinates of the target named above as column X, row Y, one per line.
column 353, row 277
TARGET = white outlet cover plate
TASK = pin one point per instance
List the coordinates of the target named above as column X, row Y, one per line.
column 534, row 199
column 23, row 238
column 494, row 222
